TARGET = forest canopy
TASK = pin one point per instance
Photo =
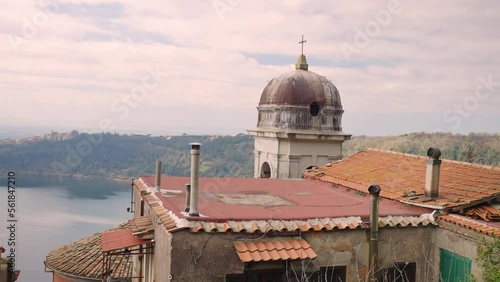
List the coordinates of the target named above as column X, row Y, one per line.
column 125, row 156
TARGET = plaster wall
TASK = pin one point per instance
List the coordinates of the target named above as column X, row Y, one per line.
column 210, row 256
column 205, row 256
column 460, row 241
column 319, row 148
column 136, row 269
column 162, row 256
column 288, row 158
column 162, row 246
column 58, row 278
column 350, row 248
column 3, row 270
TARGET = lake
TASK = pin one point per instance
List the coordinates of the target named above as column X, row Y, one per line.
column 51, row 213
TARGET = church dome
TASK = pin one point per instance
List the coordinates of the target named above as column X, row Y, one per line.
column 300, row 100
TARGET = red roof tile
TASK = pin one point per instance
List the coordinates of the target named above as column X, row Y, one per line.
column 321, row 224
column 119, row 239
column 461, row 184
column 485, row 212
column 480, row 226
column 141, row 227
column 274, row 249
column 166, row 216
column 84, row 258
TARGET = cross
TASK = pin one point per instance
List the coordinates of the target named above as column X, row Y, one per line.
column 302, row 42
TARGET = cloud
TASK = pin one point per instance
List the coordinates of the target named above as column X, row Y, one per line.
column 71, row 67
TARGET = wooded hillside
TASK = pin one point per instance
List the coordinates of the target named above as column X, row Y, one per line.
column 476, row 148
column 126, row 156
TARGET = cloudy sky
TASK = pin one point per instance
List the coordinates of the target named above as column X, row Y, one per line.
column 191, row 66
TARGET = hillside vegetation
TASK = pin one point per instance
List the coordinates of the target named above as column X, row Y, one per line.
column 126, row 156
column 119, row 156
column 476, row 148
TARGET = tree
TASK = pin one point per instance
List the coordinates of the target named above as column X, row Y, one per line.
column 488, row 251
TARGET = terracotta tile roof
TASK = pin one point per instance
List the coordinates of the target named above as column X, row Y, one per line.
column 402, row 176
column 278, row 225
column 167, row 218
column 119, row 239
column 142, row 227
column 485, row 212
column 323, row 224
column 407, row 221
column 83, row 258
column 476, row 225
column 274, row 249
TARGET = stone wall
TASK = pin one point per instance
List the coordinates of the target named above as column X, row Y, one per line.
column 210, row 256
column 205, row 256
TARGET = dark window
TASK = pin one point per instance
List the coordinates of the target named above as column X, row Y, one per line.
column 332, row 274
column 314, row 109
column 277, row 272
column 265, row 171
column 235, row 277
column 400, row 272
column 267, row 276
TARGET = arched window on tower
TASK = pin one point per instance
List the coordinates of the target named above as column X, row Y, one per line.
column 314, row 109
column 265, row 170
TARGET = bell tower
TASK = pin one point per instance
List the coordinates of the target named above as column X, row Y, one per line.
column 299, row 124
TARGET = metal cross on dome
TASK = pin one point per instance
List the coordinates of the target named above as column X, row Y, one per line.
column 302, row 42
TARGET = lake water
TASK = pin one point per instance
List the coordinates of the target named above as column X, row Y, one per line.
column 51, row 213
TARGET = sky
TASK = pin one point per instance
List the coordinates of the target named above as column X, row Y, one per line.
column 199, row 67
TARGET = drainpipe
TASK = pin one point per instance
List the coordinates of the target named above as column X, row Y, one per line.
column 132, row 202
column 158, row 176
column 374, row 270
column 432, row 173
column 195, row 167
column 188, row 196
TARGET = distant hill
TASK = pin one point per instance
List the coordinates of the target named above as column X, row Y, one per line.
column 126, row 156
column 475, row 147
column 119, row 156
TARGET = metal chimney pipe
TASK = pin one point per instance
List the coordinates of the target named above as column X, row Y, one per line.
column 188, row 196
column 432, row 173
column 374, row 270
column 158, row 176
column 195, row 167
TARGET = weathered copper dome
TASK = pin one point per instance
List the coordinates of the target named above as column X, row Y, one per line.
column 300, row 100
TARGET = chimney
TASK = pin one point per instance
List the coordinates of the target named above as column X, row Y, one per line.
column 195, row 166
column 158, row 176
column 374, row 270
column 432, row 174
column 188, row 196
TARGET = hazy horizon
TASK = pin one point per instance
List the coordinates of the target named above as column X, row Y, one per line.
column 23, row 132
column 200, row 67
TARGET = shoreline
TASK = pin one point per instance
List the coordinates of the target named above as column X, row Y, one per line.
column 119, row 178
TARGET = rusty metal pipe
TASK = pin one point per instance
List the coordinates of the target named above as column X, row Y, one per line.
column 195, row 168
column 374, row 191
column 188, row 197
column 158, row 176
column 432, row 173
